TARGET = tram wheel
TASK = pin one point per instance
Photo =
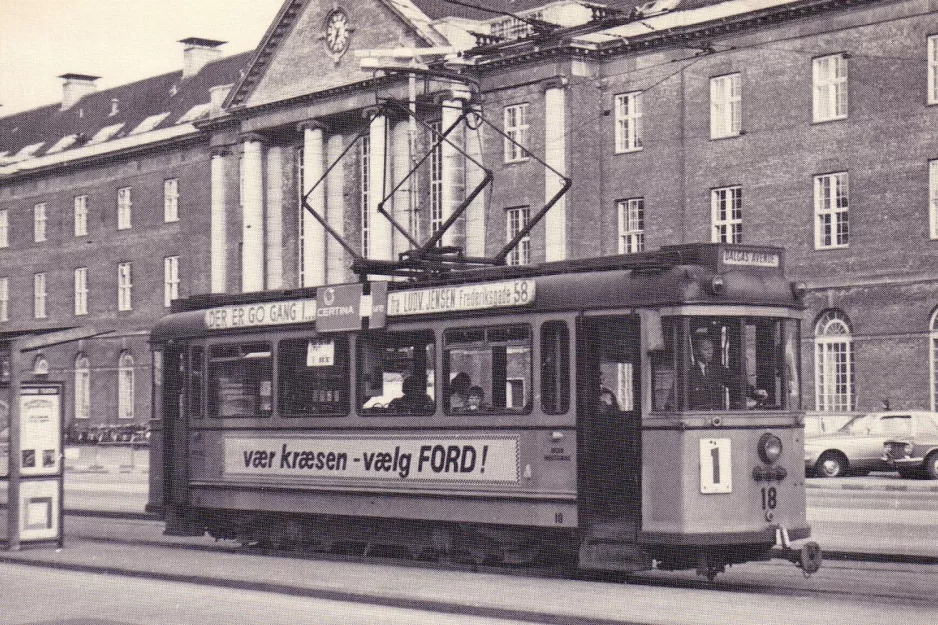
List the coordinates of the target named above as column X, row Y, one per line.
column 831, row 464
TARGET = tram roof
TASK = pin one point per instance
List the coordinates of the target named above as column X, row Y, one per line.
column 672, row 276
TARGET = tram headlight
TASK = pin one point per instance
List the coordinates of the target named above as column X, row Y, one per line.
column 717, row 285
column 770, row 448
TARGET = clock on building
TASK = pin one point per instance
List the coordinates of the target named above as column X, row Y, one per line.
column 338, row 32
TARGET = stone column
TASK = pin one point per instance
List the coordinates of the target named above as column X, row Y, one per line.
column 454, row 169
column 555, row 155
column 380, row 239
column 475, row 213
column 337, row 259
column 274, row 218
column 252, row 214
column 403, row 210
column 313, row 251
column 219, row 222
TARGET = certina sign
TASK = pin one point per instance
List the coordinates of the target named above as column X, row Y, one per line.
column 395, row 458
column 265, row 314
column 461, row 297
column 751, row 258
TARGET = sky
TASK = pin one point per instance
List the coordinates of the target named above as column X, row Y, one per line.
column 121, row 41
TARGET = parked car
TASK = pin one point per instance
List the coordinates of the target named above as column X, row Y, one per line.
column 914, row 456
column 857, row 447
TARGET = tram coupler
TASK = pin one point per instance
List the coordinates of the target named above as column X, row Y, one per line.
column 808, row 558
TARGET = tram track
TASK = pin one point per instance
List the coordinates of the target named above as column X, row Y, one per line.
column 845, row 576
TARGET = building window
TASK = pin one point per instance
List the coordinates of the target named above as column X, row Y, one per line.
column 725, row 106
column 123, row 208
column 4, row 228
column 933, row 198
column 831, row 209
column 170, row 279
column 830, row 87
column 516, row 131
column 125, row 386
column 4, row 299
column 933, row 69
column 81, row 291
column 515, row 220
column 171, row 200
column 833, row 369
column 39, row 296
column 631, row 225
column 628, row 110
column 82, row 387
column 436, row 183
column 39, row 223
column 81, row 215
column 124, row 287
column 726, row 209
column 365, row 157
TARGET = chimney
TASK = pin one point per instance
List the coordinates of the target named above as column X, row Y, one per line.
column 198, row 53
column 75, row 87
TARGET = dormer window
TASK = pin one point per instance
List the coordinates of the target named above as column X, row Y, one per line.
column 105, row 133
column 114, row 107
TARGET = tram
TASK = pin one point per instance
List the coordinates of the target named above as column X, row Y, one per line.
column 509, row 415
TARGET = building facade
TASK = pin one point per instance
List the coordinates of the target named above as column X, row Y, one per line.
column 807, row 124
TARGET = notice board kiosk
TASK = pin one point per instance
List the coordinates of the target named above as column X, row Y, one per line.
column 31, row 464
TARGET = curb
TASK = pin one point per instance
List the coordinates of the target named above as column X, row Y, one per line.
column 879, row 487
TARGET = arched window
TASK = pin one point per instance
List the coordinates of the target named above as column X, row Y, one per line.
column 40, row 365
column 82, row 387
column 125, row 386
column 833, row 363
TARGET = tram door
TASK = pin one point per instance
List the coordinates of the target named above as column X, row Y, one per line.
column 608, row 402
column 175, row 441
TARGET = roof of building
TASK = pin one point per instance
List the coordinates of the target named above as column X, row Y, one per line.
column 150, row 104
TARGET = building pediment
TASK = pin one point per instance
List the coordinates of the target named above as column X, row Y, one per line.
column 311, row 46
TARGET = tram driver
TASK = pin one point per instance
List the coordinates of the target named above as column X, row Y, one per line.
column 710, row 384
column 414, row 399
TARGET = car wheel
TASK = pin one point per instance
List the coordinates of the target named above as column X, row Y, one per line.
column 831, row 464
column 931, row 465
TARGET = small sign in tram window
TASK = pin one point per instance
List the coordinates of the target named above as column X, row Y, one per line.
column 320, row 353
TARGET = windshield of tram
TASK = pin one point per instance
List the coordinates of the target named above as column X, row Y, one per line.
column 727, row 363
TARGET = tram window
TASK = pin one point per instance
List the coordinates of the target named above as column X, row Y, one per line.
column 313, row 377
column 196, row 385
column 497, row 362
column 663, row 380
column 555, row 367
column 240, row 379
column 396, row 373
column 735, row 363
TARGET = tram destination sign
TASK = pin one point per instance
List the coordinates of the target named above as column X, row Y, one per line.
column 751, row 257
column 461, row 297
column 260, row 314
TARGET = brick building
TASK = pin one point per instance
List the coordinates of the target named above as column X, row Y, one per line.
column 806, row 124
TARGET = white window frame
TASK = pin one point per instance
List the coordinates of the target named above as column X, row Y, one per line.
column 81, row 215
column 725, row 106
column 124, row 286
column 516, row 128
column 726, row 214
column 933, row 69
column 631, row 225
column 515, row 219
column 171, row 200
column 124, row 208
column 831, row 210
column 833, row 364
column 4, row 228
column 82, row 387
column 364, row 191
column 628, row 122
column 4, row 298
column 933, row 198
column 933, row 359
column 125, row 386
column 81, row 291
column 39, row 296
column 39, row 222
column 830, row 87
column 170, row 280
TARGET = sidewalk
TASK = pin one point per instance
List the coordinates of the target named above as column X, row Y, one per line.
column 107, row 458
